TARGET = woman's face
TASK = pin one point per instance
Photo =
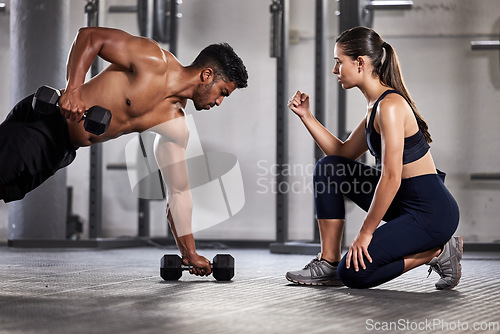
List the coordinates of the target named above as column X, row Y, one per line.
column 345, row 68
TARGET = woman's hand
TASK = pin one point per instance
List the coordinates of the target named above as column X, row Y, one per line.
column 71, row 105
column 299, row 104
column 358, row 248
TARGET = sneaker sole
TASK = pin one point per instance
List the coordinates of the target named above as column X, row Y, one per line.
column 329, row 283
column 461, row 247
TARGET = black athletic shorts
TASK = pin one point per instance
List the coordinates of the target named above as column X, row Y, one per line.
column 32, row 148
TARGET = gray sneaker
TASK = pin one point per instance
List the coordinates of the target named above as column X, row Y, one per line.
column 447, row 264
column 316, row 272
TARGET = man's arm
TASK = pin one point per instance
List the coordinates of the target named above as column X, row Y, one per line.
column 115, row 46
column 170, row 156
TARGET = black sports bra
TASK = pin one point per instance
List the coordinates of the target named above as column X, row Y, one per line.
column 415, row 146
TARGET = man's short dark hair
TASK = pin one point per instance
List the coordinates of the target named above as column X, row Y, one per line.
column 225, row 63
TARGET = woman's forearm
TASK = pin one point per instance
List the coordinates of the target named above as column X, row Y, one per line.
column 327, row 142
column 386, row 190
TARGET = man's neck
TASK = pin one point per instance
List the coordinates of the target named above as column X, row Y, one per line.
column 181, row 81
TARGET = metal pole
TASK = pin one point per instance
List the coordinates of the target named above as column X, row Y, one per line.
column 173, row 43
column 96, row 163
column 174, row 26
column 276, row 28
column 150, row 19
column 345, row 22
column 38, row 52
column 485, row 45
column 389, row 5
column 320, row 78
column 282, row 128
column 122, row 9
column 281, row 246
column 143, row 204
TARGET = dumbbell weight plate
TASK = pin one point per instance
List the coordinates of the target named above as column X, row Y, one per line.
column 223, row 267
column 45, row 100
column 170, row 267
column 97, row 120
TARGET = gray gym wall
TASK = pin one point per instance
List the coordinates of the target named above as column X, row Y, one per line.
column 456, row 90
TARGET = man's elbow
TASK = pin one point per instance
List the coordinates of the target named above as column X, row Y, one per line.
column 90, row 36
column 84, row 32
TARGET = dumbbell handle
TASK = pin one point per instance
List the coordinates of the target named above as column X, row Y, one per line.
column 184, row 267
column 56, row 102
column 59, row 107
column 46, row 101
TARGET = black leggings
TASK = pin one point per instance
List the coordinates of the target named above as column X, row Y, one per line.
column 423, row 215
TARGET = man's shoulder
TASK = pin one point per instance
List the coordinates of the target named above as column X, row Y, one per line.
column 175, row 131
column 169, row 116
column 147, row 54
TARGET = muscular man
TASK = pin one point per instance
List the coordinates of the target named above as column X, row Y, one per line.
column 145, row 88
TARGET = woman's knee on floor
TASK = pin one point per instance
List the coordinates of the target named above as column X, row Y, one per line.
column 351, row 278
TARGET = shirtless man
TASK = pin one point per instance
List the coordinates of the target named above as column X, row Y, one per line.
column 145, row 88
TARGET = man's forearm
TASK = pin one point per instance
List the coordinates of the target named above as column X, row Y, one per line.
column 185, row 243
column 83, row 52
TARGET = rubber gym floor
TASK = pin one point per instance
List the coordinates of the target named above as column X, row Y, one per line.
column 120, row 291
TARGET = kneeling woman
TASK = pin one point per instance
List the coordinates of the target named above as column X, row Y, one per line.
column 405, row 189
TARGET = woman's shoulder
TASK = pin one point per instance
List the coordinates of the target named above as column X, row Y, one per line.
column 392, row 102
column 392, row 110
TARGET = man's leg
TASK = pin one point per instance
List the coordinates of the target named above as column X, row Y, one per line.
column 32, row 148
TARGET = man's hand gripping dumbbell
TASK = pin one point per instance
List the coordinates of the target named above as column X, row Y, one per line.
column 97, row 119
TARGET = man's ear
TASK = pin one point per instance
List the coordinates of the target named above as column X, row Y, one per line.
column 207, row 75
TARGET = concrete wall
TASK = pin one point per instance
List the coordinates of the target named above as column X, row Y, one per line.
column 456, row 90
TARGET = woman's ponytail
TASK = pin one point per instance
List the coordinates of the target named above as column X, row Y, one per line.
column 390, row 75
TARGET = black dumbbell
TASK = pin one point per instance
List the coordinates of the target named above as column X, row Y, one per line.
column 171, row 267
column 97, row 119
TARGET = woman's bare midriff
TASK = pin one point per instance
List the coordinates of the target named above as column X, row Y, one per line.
column 422, row 166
